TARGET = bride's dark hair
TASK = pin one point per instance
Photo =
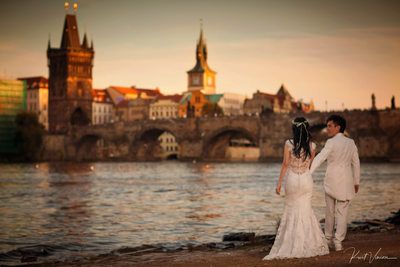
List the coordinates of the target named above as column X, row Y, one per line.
column 301, row 137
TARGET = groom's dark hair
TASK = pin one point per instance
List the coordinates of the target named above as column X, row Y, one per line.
column 338, row 120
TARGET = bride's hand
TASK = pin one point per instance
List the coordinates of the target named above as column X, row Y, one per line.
column 278, row 189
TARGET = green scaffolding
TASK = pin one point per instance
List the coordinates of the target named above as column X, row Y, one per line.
column 12, row 101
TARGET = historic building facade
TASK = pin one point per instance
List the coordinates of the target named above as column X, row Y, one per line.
column 281, row 102
column 165, row 106
column 129, row 110
column 37, row 98
column 191, row 104
column 70, row 79
column 169, row 148
column 102, row 107
column 201, row 77
column 131, row 103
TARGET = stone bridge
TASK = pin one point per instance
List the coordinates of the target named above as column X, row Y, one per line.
column 376, row 134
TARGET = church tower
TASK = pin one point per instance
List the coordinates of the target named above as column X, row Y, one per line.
column 201, row 77
column 70, row 79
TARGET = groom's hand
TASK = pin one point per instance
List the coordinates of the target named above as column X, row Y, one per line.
column 356, row 188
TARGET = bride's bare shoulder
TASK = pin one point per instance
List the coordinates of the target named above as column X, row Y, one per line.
column 289, row 142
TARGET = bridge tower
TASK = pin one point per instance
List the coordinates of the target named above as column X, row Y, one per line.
column 201, row 77
column 70, row 79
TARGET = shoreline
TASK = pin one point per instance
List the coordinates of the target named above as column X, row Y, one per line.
column 373, row 242
column 381, row 248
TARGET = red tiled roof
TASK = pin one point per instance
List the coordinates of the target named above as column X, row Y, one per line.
column 125, row 90
column 35, row 82
column 271, row 97
column 149, row 92
column 101, row 96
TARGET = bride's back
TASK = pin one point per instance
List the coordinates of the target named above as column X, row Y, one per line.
column 300, row 164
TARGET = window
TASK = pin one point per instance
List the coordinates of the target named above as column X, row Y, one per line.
column 195, row 80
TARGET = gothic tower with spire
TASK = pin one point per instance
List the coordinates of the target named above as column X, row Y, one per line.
column 201, row 77
column 70, row 79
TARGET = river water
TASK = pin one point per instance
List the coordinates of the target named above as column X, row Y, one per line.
column 71, row 210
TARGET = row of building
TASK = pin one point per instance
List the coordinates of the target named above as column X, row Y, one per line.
column 128, row 104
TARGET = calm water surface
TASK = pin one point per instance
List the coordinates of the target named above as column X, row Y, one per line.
column 74, row 211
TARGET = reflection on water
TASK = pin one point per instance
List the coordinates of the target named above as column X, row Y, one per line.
column 73, row 209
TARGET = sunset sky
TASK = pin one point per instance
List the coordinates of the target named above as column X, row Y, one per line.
column 335, row 51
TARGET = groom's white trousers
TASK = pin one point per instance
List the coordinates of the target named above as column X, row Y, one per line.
column 341, row 219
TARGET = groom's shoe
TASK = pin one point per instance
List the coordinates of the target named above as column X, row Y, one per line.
column 338, row 247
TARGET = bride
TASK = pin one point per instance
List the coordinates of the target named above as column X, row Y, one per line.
column 299, row 234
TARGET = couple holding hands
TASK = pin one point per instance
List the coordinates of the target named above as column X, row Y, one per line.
column 299, row 234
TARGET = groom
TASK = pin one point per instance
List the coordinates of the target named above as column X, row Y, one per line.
column 341, row 182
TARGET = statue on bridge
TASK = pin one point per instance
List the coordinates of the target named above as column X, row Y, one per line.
column 393, row 103
column 189, row 111
column 373, row 102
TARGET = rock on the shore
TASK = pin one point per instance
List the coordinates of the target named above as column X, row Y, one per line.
column 242, row 236
column 395, row 219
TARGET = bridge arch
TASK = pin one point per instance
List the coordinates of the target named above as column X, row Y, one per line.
column 231, row 144
column 79, row 117
column 318, row 133
column 155, row 143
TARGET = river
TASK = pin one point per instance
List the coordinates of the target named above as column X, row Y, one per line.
column 72, row 210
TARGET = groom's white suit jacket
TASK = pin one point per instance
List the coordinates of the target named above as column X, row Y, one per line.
column 341, row 153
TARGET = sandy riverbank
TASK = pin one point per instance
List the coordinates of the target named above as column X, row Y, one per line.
column 368, row 243
column 361, row 249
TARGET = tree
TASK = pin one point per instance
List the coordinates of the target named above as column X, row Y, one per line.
column 28, row 135
column 210, row 109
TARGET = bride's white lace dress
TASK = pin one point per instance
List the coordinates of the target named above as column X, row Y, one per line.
column 299, row 234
